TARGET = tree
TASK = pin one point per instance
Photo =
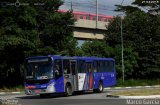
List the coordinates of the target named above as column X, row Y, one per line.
column 29, row 31
column 101, row 49
column 148, row 6
column 130, row 61
column 96, row 48
column 139, row 33
column 151, row 3
column 17, row 36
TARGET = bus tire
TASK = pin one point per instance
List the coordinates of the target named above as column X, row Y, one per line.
column 68, row 90
column 100, row 88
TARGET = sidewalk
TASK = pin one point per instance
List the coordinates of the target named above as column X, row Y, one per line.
column 136, row 87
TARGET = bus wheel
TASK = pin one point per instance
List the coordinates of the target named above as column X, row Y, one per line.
column 100, row 88
column 68, row 90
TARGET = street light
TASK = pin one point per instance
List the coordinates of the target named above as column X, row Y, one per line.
column 122, row 47
column 96, row 14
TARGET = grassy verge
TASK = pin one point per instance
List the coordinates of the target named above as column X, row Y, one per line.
column 12, row 89
column 140, row 92
column 138, row 82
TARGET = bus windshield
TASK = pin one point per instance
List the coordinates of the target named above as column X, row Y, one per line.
column 41, row 70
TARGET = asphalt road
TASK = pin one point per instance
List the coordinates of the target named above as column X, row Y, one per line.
column 85, row 99
column 80, row 99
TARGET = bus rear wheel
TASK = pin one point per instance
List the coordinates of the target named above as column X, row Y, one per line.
column 100, row 88
column 68, row 90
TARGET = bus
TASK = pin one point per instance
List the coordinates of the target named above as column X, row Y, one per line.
column 45, row 75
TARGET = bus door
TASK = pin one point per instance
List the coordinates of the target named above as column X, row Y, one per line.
column 73, row 68
column 89, row 77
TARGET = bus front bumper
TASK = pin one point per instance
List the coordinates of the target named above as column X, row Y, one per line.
column 50, row 89
column 37, row 91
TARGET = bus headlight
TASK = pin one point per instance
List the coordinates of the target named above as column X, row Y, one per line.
column 50, row 88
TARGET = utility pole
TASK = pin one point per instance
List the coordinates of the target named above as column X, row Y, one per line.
column 122, row 49
column 71, row 6
column 96, row 14
column 122, row 45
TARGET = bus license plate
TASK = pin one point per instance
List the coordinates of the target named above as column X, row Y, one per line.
column 37, row 91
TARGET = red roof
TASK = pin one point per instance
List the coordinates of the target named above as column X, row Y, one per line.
column 86, row 13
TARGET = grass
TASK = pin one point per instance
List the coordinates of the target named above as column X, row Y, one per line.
column 133, row 82
column 140, row 92
column 12, row 89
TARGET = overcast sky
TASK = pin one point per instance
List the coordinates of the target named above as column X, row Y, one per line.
column 105, row 6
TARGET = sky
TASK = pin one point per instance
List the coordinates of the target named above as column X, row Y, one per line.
column 105, row 6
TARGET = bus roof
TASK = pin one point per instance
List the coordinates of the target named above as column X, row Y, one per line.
column 68, row 57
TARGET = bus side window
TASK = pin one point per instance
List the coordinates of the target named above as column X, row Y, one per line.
column 73, row 68
column 66, row 66
column 81, row 66
column 89, row 68
column 107, row 65
column 111, row 66
column 95, row 66
column 98, row 66
column 58, row 67
column 101, row 66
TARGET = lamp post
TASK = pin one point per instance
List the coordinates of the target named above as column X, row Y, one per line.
column 96, row 14
column 122, row 55
column 122, row 49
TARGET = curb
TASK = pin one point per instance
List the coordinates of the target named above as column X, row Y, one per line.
column 131, row 87
column 140, row 97
column 4, row 93
column 135, row 97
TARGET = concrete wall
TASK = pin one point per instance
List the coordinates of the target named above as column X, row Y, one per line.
column 91, row 24
column 88, row 33
column 86, row 29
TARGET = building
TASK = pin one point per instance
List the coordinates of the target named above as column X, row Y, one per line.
column 86, row 26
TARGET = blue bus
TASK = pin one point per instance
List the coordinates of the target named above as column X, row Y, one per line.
column 62, row 74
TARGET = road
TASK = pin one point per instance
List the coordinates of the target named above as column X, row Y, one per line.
column 85, row 99
column 81, row 99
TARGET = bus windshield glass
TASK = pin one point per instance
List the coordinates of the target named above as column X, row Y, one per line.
column 38, row 71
